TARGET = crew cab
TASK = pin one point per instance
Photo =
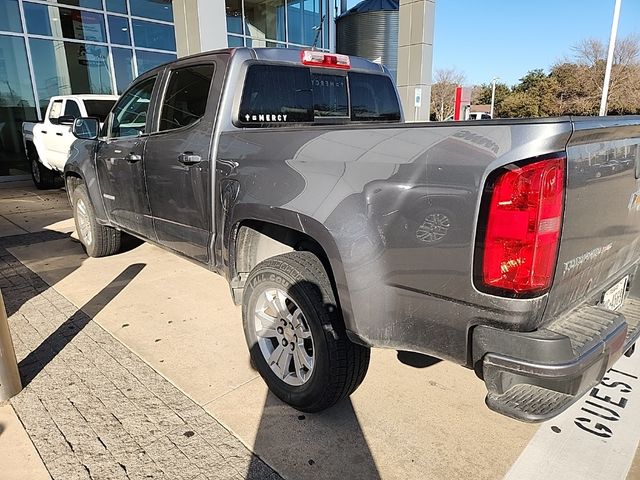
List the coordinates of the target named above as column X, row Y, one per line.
column 47, row 143
column 340, row 228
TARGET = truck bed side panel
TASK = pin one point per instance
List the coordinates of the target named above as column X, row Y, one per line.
column 401, row 203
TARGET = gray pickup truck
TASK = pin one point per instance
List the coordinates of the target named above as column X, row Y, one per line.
column 507, row 246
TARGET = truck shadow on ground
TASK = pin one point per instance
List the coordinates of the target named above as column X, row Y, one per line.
column 40, row 357
column 324, row 445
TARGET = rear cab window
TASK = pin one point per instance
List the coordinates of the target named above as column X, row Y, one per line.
column 279, row 95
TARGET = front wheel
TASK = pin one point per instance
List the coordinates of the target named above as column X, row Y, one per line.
column 98, row 240
column 43, row 178
column 296, row 334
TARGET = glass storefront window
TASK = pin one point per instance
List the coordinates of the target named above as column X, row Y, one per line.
column 37, row 18
column 148, row 60
column 234, row 16
column 265, row 19
column 16, row 103
column 63, row 68
column 119, row 30
column 235, row 41
column 154, row 35
column 123, row 67
column 117, row 6
column 64, row 22
column 10, row 16
column 95, row 4
column 304, row 16
column 81, row 25
column 156, row 9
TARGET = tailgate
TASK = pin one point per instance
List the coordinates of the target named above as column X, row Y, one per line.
column 601, row 231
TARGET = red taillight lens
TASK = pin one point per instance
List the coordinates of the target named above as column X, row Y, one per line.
column 523, row 227
column 327, row 60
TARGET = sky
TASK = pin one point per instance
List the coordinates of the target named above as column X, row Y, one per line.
column 507, row 38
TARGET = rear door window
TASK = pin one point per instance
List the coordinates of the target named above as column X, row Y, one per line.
column 278, row 94
column 186, row 97
column 373, row 98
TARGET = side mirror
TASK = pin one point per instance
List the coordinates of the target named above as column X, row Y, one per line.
column 86, row 128
column 66, row 120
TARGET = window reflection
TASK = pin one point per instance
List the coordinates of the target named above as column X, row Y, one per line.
column 63, row 68
column 234, row 16
column 123, row 67
column 117, row 6
column 154, row 35
column 148, row 60
column 10, row 16
column 304, row 17
column 37, row 18
column 156, row 9
column 64, row 22
column 264, row 20
column 16, row 103
column 95, row 4
column 119, row 30
column 235, row 41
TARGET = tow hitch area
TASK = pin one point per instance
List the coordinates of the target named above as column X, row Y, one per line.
column 537, row 375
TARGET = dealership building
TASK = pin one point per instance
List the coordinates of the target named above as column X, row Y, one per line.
column 61, row 47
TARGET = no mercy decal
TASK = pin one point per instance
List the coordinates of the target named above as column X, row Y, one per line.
column 266, row 117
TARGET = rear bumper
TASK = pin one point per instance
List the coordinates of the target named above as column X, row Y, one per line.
column 534, row 376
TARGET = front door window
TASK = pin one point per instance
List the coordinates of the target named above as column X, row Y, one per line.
column 131, row 112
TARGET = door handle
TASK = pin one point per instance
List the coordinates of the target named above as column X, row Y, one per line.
column 59, row 134
column 133, row 158
column 44, row 132
column 189, row 158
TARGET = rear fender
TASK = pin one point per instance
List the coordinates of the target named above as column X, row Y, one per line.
column 294, row 221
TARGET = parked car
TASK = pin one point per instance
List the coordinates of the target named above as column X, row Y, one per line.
column 340, row 228
column 47, row 143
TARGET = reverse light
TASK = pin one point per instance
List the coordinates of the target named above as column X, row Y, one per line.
column 524, row 218
column 327, row 60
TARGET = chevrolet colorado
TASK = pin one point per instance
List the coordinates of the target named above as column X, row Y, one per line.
column 495, row 244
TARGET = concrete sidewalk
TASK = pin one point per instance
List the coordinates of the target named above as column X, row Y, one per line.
column 92, row 408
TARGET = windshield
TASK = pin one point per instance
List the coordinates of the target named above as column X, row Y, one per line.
column 99, row 108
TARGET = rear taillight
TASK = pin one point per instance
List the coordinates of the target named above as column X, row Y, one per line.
column 524, row 217
column 327, row 60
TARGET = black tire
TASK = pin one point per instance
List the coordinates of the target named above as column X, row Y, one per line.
column 339, row 364
column 103, row 240
column 43, row 178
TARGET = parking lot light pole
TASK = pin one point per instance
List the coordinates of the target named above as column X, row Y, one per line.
column 10, row 384
column 612, row 47
column 493, row 93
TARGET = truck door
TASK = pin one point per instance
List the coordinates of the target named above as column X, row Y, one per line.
column 120, row 160
column 178, row 156
column 54, row 134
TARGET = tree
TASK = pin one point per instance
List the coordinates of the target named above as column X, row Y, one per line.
column 443, row 92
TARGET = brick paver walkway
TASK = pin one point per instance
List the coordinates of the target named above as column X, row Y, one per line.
column 95, row 410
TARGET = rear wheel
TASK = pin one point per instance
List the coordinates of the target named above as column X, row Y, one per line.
column 98, row 240
column 43, row 178
column 296, row 334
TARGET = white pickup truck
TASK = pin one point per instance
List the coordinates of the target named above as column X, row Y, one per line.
column 47, row 143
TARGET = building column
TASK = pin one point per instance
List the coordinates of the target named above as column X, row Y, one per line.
column 415, row 56
column 201, row 25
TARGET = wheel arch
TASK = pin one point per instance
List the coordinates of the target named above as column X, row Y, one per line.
column 74, row 176
column 253, row 239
